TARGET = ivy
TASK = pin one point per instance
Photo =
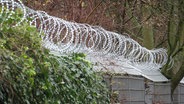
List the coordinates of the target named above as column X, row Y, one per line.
column 30, row 75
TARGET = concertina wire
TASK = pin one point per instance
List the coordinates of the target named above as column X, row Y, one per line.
column 67, row 37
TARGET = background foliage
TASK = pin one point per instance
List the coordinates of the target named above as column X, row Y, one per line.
column 30, row 75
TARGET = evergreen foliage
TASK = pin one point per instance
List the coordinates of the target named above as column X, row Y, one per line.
column 30, row 75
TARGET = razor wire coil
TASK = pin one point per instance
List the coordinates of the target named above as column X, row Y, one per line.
column 66, row 37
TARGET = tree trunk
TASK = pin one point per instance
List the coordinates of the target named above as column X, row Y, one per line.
column 180, row 38
column 147, row 29
column 177, row 78
column 172, row 42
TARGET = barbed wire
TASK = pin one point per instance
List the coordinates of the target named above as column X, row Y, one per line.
column 66, row 37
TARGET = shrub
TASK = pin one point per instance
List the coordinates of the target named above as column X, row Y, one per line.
column 30, row 75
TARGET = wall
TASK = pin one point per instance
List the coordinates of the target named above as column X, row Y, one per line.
column 178, row 95
column 128, row 89
column 158, row 93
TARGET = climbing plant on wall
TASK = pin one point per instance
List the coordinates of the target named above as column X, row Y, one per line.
column 30, row 75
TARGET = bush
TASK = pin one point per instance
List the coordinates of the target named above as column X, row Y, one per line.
column 30, row 75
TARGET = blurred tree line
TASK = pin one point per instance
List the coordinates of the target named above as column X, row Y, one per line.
column 153, row 23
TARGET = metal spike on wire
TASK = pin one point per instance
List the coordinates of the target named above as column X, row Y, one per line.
column 65, row 37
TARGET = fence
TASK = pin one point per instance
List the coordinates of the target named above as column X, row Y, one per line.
column 178, row 95
column 64, row 36
column 128, row 89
